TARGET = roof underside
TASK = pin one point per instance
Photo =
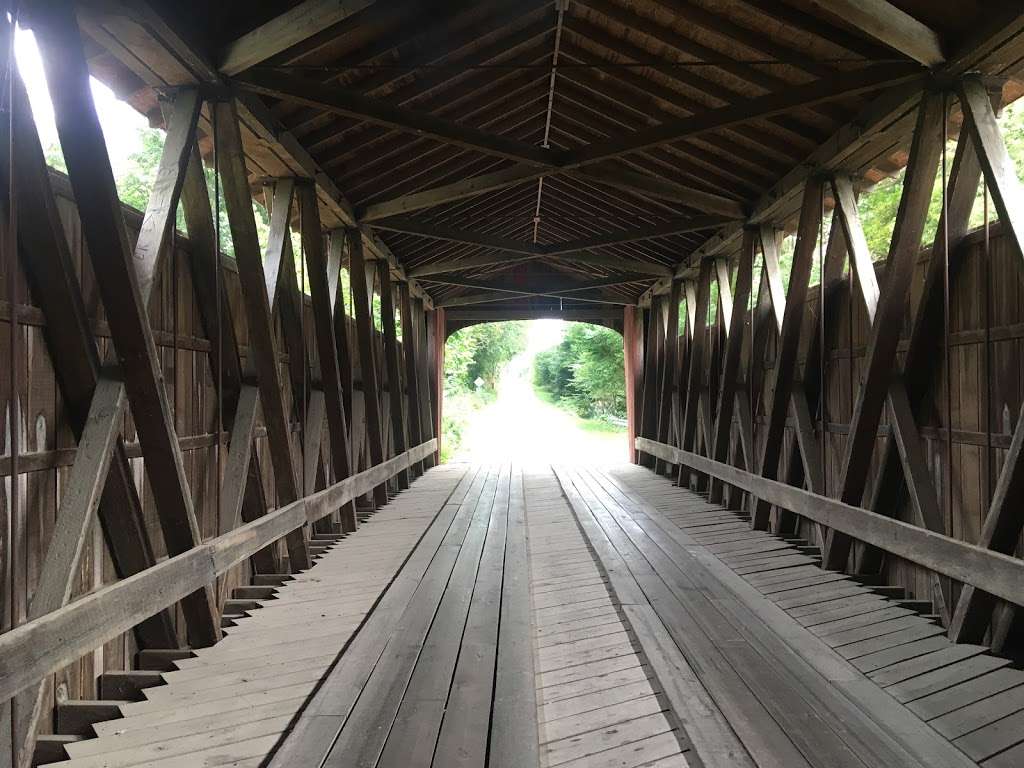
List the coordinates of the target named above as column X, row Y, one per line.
column 598, row 214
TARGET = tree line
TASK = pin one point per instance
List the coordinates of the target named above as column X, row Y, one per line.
column 586, row 371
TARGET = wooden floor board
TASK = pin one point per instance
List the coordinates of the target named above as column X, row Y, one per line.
column 507, row 616
column 875, row 630
column 591, row 687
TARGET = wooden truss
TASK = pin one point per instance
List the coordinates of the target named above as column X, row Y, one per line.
column 720, row 364
column 100, row 392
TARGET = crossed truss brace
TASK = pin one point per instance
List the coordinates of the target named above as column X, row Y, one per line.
column 100, row 391
column 886, row 386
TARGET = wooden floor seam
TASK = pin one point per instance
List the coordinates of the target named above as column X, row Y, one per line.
column 896, row 665
column 514, row 615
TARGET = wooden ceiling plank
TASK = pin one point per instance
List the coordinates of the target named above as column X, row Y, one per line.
column 435, row 44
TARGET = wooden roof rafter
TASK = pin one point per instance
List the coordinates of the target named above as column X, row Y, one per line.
column 665, row 110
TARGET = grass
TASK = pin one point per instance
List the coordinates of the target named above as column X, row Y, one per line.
column 459, row 408
column 595, row 425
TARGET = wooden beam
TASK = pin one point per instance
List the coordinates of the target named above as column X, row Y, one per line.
column 121, row 288
column 484, row 297
column 883, row 21
column 993, row 571
column 361, row 298
column 410, row 226
column 879, row 115
column 458, row 190
column 326, row 344
column 697, row 305
column 729, row 380
column 410, row 344
column 49, row 268
column 869, row 78
column 857, row 244
column 242, row 497
column 507, row 259
column 466, row 317
column 911, row 449
column 676, row 226
column 352, row 104
column 35, row 649
column 539, row 286
column 885, row 331
column 427, row 422
column 784, row 372
column 305, row 20
column 661, row 188
column 839, row 85
column 180, row 60
column 1003, row 522
column 668, row 371
column 257, row 302
column 444, row 266
column 394, row 374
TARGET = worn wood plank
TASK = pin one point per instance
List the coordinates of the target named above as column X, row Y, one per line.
column 903, row 249
column 262, row 342
column 125, row 294
column 361, row 278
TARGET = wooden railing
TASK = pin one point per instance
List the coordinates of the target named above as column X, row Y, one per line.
column 992, row 572
column 34, row 650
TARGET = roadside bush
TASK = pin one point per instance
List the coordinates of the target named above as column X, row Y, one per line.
column 585, row 371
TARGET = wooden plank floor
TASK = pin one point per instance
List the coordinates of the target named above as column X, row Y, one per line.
column 441, row 674
column 230, row 704
column 599, row 702
column 500, row 616
column 833, row 641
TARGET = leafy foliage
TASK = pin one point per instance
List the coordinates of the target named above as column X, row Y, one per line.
column 478, row 351
column 481, row 351
column 586, row 370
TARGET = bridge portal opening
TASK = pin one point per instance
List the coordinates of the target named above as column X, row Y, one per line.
column 543, row 389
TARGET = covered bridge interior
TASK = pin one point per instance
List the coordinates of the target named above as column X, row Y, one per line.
column 227, row 537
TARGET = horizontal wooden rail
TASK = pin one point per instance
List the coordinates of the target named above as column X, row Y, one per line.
column 989, row 571
column 34, row 650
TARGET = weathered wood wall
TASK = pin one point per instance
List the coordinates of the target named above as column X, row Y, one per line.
column 46, row 446
column 986, row 333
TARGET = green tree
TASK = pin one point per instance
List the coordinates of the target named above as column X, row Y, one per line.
column 586, row 371
column 481, row 351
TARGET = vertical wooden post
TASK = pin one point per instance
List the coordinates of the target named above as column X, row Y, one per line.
column 696, row 362
column 365, row 341
column 327, row 347
column 632, row 325
column 731, row 362
column 648, row 400
column 242, row 497
column 885, row 331
column 410, row 344
column 387, row 314
column 423, row 378
column 47, row 262
column 1003, row 522
column 668, row 372
column 789, row 337
column 257, row 294
column 438, row 337
column 126, row 284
